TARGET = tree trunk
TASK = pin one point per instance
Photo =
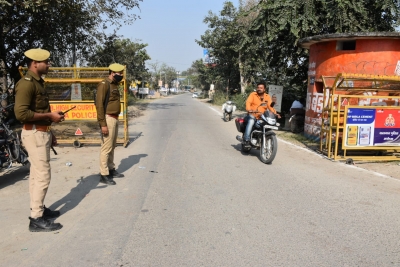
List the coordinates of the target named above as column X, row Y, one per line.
column 242, row 83
column 3, row 76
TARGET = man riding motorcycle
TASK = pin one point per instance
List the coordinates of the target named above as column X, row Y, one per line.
column 254, row 109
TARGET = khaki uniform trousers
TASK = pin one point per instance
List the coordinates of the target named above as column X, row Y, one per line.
column 38, row 144
column 108, row 146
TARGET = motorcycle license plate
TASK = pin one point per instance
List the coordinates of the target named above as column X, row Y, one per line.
column 271, row 127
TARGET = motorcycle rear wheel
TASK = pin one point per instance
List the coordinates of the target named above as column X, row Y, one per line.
column 225, row 116
column 269, row 149
column 230, row 116
column 296, row 126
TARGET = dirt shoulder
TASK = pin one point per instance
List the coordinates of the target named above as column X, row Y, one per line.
column 389, row 168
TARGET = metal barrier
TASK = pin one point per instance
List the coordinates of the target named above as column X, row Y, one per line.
column 74, row 86
column 361, row 117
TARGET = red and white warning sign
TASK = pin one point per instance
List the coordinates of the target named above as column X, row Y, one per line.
column 78, row 132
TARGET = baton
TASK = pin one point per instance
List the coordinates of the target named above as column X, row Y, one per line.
column 52, row 148
column 63, row 112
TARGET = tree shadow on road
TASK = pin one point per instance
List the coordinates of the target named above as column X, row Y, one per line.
column 78, row 193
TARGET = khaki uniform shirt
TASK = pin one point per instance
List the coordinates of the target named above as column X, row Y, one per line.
column 113, row 106
column 254, row 101
column 31, row 97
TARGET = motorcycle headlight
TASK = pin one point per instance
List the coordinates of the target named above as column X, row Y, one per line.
column 271, row 121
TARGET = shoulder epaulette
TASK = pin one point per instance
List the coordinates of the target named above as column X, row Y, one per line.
column 28, row 78
column 103, row 82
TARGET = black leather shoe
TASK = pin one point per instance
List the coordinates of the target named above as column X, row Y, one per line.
column 116, row 174
column 43, row 225
column 48, row 213
column 107, row 179
column 246, row 143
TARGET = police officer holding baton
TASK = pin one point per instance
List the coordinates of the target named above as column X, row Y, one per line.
column 32, row 108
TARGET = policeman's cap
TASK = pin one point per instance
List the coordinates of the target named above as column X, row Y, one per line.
column 115, row 67
column 37, row 54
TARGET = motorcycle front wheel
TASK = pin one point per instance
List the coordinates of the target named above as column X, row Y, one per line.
column 268, row 149
column 14, row 146
column 230, row 116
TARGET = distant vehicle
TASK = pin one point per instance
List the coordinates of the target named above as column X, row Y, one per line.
column 195, row 95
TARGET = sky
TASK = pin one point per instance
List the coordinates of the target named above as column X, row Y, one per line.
column 170, row 28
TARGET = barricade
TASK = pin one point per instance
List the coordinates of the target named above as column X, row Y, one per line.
column 75, row 86
column 361, row 118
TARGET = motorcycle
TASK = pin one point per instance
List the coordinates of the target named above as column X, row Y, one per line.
column 11, row 149
column 228, row 108
column 262, row 136
column 296, row 121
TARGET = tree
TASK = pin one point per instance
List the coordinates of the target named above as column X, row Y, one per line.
column 222, row 41
column 125, row 52
column 280, row 24
column 67, row 28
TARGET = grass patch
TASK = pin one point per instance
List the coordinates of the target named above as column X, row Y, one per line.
column 239, row 100
column 297, row 139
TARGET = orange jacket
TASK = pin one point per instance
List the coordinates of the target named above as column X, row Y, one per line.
column 254, row 101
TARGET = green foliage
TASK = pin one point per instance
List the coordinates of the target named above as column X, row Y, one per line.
column 240, row 101
column 201, row 75
column 125, row 52
column 64, row 27
column 260, row 41
column 220, row 98
column 222, row 40
column 131, row 100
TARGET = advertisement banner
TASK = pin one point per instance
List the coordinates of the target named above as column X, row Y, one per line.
column 144, row 91
column 275, row 92
column 372, row 127
column 387, row 127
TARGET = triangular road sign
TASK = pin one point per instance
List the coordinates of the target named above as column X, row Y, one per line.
column 78, row 132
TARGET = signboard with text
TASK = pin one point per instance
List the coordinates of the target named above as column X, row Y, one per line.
column 372, row 127
column 83, row 111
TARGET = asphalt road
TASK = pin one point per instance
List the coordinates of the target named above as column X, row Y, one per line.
column 191, row 198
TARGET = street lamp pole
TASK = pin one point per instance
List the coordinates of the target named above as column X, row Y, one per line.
column 177, row 81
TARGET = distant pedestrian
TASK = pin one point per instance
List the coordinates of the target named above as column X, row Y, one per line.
column 108, row 107
column 32, row 107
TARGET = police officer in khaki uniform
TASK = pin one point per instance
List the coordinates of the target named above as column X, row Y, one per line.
column 108, row 107
column 33, row 109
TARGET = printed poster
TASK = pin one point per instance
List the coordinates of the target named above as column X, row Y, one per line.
column 275, row 92
column 76, row 93
column 387, row 127
column 372, row 127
